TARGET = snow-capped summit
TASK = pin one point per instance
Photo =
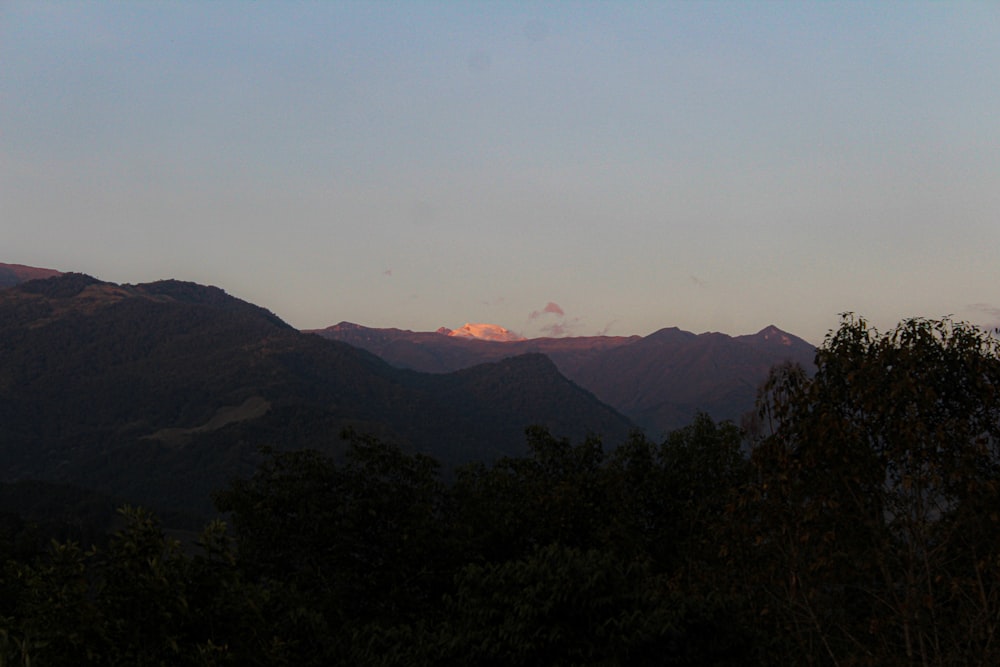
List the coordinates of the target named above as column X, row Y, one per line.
column 491, row 332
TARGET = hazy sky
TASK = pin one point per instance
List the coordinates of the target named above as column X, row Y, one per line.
column 554, row 167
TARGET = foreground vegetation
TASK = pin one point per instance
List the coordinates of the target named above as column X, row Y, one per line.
column 855, row 522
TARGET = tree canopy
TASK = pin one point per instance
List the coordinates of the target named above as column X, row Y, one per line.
column 872, row 523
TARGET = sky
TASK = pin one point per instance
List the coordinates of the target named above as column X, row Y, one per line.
column 556, row 168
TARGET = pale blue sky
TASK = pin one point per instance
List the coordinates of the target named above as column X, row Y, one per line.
column 713, row 166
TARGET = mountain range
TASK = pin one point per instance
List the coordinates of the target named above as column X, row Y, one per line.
column 659, row 381
column 164, row 392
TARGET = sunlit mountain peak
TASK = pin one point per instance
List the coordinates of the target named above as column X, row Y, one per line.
column 493, row 332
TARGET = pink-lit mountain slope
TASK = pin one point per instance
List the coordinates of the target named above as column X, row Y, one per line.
column 660, row 381
column 14, row 274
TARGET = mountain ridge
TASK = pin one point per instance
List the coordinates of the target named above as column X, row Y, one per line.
column 660, row 381
column 163, row 392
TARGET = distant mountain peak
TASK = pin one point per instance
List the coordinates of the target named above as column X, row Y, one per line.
column 491, row 332
column 773, row 334
column 670, row 334
column 774, row 338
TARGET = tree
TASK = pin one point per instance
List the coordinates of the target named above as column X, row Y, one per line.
column 339, row 547
column 53, row 618
column 872, row 516
column 561, row 606
column 142, row 601
column 669, row 499
column 584, row 558
column 555, row 495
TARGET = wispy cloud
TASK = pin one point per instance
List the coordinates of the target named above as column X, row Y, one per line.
column 551, row 308
column 559, row 329
column 557, row 324
column 607, row 328
column 565, row 327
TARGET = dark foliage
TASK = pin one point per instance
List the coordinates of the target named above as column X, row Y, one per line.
column 869, row 529
column 373, row 560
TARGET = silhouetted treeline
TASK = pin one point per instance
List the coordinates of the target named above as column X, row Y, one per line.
column 854, row 521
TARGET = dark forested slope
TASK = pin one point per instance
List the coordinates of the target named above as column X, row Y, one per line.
column 164, row 391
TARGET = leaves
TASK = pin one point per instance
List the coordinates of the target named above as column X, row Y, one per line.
column 891, row 453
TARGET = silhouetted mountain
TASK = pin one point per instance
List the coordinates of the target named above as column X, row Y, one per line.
column 160, row 393
column 660, row 381
column 436, row 352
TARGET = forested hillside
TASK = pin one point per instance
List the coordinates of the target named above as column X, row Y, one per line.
column 854, row 523
column 163, row 392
